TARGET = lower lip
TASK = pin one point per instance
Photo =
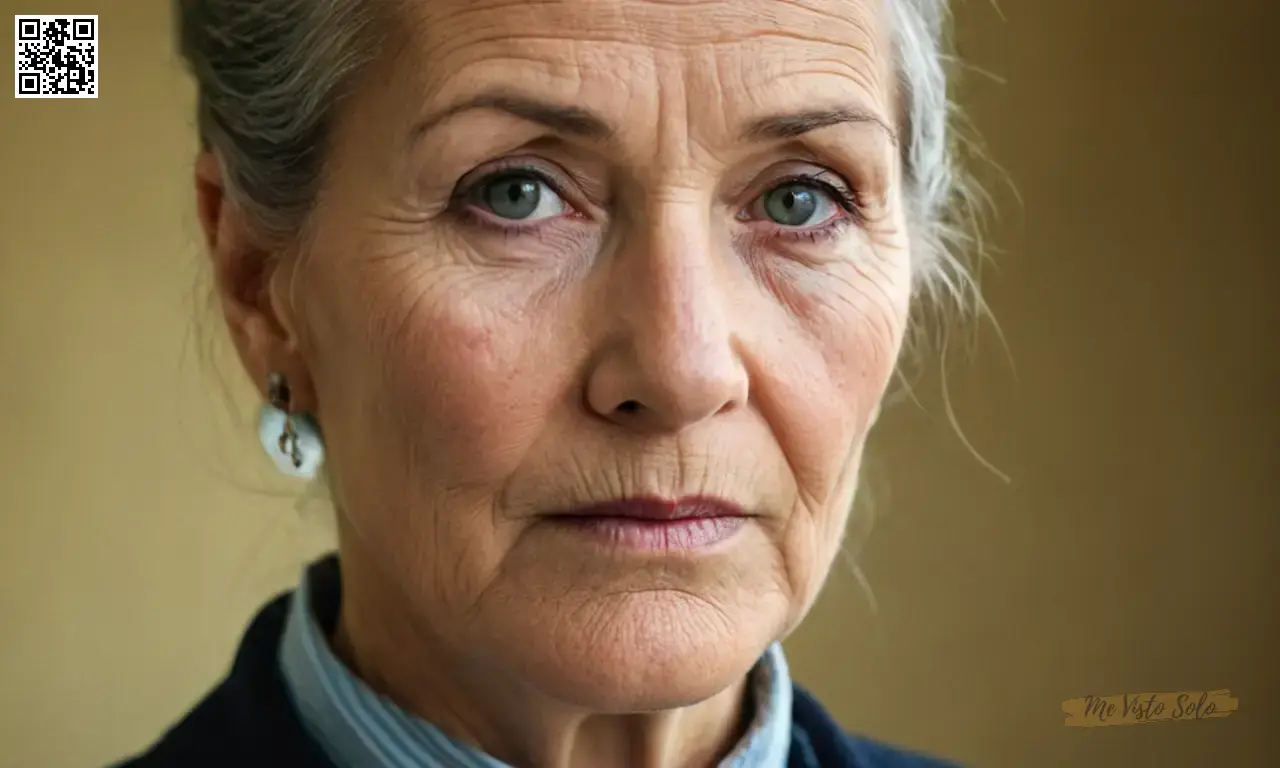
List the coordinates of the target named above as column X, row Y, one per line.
column 657, row 535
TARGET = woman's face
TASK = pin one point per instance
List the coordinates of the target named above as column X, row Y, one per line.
column 579, row 251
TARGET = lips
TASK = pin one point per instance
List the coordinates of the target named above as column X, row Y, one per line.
column 654, row 525
column 658, row 510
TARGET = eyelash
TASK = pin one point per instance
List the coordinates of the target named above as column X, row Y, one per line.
column 463, row 206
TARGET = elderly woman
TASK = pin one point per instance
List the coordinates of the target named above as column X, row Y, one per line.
column 583, row 311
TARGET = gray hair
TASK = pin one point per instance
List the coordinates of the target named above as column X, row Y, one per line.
column 270, row 74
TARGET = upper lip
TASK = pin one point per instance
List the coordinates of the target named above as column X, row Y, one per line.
column 653, row 508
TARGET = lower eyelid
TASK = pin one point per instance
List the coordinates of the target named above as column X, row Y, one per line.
column 833, row 224
column 476, row 216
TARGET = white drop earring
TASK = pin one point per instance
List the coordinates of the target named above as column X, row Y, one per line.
column 292, row 440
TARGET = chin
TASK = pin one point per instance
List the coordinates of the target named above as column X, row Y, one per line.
column 645, row 652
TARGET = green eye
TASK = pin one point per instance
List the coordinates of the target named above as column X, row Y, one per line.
column 520, row 197
column 795, row 204
column 513, row 197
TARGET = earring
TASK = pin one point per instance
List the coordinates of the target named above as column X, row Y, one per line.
column 292, row 440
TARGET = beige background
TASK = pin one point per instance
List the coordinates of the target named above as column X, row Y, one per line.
column 1134, row 550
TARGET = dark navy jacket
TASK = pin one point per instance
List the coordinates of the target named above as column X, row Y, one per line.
column 248, row 721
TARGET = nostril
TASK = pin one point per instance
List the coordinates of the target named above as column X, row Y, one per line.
column 630, row 406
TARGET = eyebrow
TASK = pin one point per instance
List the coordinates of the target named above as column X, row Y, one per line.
column 572, row 121
column 584, row 124
column 789, row 126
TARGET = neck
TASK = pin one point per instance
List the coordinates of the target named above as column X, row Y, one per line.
column 475, row 703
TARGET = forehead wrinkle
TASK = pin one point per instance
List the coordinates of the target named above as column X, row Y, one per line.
column 558, row 34
column 800, row 82
column 602, row 54
column 868, row 15
column 639, row 22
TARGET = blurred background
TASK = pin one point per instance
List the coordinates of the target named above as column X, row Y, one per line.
column 1134, row 547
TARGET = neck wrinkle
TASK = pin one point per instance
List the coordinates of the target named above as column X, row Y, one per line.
column 475, row 705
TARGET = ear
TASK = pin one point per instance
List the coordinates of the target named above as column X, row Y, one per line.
column 252, row 284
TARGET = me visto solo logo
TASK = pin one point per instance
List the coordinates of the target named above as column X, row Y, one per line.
column 1134, row 708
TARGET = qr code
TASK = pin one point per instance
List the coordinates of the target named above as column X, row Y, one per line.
column 56, row 57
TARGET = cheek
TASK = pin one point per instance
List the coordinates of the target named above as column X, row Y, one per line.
column 822, row 382
column 459, row 389
column 826, row 383
column 465, row 378
column 432, row 419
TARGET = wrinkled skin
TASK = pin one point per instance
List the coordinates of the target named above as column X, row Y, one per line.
column 651, row 328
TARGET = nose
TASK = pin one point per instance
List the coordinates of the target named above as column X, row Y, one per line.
column 670, row 356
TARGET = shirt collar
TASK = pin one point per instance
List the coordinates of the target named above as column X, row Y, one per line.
column 359, row 728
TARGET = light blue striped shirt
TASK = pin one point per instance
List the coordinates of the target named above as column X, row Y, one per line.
column 359, row 728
